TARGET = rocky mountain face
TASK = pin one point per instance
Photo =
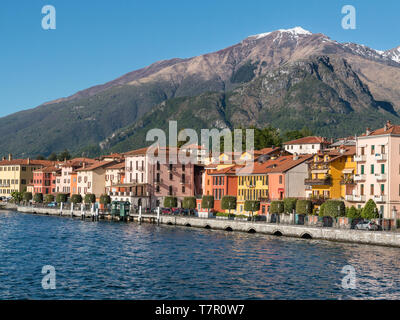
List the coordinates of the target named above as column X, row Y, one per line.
column 293, row 72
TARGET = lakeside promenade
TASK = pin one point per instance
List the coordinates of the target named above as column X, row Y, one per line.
column 381, row 238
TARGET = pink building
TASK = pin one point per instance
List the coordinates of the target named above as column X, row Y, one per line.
column 378, row 167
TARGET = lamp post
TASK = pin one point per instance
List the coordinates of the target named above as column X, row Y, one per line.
column 394, row 216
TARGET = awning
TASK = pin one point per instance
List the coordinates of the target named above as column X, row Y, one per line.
column 348, row 170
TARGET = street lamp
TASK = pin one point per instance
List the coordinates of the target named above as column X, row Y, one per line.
column 394, row 215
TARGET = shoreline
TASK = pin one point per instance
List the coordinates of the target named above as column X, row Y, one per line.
column 380, row 238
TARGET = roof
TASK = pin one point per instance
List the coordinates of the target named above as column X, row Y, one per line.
column 336, row 153
column 280, row 164
column 387, row 129
column 48, row 169
column 96, row 165
column 232, row 170
column 266, row 151
column 308, row 140
column 120, row 165
column 77, row 162
column 136, row 152
column 27, row 162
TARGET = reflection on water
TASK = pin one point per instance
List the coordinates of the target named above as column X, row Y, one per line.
column 108, row 260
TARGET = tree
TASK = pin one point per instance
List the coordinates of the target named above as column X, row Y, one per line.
column 105, row 199
column 370, row 210
column 90, row 198
column 38, row 198
column 297, row 134
column 27, row 196
column 228, row 203
column 61, row 197
column 76, row 198
column 48, row 198
column 52, row 157
column 65, row 155
column 17, row 196
column 304, row 207
column 207, row 202
column 334, row 208
column 353, row 213
column 321, row 212
column 289, row 204
column 40, row 157
column 189, row 203
column 252, row 205
column 170, row 202
column 276, row 207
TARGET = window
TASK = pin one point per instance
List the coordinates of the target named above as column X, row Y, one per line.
column 23, row 168
column 382, row 168
column 372, row 169
column 170, row 176
column 183, row 167
column 183, row 189
column 383, row 149
column 372, row 149
column 362, row 189
column 362, row 169
column 372, row 190
column 382, row 189
column 280, row 179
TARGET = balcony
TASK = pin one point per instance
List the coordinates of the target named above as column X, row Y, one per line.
column 348, row 181
column 380, row 157
column 354, row 198
column 359, row 177
column 381, row 198
column 380, row 176
column 359, row 158
column 318, row 182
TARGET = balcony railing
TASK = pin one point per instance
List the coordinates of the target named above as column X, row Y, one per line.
column 354, row 198
column 359, row 158
column 347, row 181
column 380, row 198
column 380, row 156
column 359, row 177
column 318, row 182
column 380, row 176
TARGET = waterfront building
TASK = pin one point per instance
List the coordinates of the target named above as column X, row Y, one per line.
column 91, row 178
column 378, row 170
column 331, row 174
column 17, row 174
column 44, row 180
column 306, row 145
column 68, row 167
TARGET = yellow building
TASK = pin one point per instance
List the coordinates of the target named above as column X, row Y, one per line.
column 331, row 174
column 17, row 174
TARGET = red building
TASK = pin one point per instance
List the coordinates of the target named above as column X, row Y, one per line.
column 44, row 180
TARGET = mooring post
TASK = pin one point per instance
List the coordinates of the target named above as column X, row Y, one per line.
column 72, row 209
column 140, row 214
column 61, row 208
column 158, row 215
column 97, row 214
column 82, row 212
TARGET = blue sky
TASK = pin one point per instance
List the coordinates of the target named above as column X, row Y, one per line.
column 97, row 41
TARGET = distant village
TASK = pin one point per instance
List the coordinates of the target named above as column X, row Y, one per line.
column 352, row 169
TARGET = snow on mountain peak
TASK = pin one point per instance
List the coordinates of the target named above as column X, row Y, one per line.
column 294, row 31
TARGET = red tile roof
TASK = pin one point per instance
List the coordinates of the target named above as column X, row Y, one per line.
column 96, row 165
column 308, row 140
column 27, row 162
column 387, row 129
column 120, row 165
column 48, row 169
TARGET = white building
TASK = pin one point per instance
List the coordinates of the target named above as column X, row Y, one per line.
column 306, row 145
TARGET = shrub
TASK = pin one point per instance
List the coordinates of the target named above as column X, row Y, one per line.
column 48, row 198
column 334, row 208
column 27, row 196
column 370, row 211
column 251, row 205
column 90, row 198
column 189, row 203
column 38, row 197
column 170, row 202
column 321, row 212
column 105, row 199
column 76, row 198
column 228, row 203
column 304, row 207
column 353, row 213
column 289, row 204
column 17, row 196
column 315, row 211
column 61, row 197
column 207, row 202
column 276, row 207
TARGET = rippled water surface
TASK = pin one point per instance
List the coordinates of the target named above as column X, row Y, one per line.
column 110, row 260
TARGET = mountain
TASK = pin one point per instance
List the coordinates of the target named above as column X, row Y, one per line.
column 258, row 81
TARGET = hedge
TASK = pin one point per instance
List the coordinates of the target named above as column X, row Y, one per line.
column 334, row 208
column 289, row 205
column 170, row 202
column 228, row 203
column 61, row 197
column 27, row 196
column 276, row 207
column 251, row 205
column 38, row 197
column 304, row 207
column 189, row 203
column 90, row 198
column 207, row 202
column 76, row 198
column 370, row 210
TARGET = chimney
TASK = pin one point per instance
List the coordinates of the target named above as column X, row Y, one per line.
column 29, row 161
column 84, row 165
column 388, row 125
column 368, row 131
column 295, row 156
column 4, row 158
column 9, row 157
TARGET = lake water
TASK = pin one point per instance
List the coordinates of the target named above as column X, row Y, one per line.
column 112, row 260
